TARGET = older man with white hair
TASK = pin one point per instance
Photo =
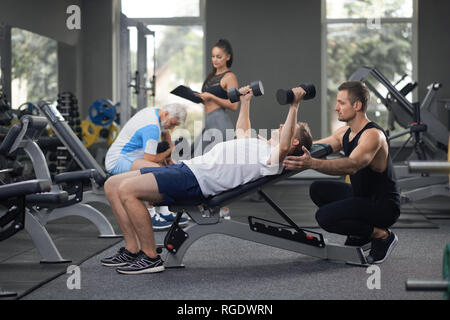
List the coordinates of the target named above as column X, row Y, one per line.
column 136, row 148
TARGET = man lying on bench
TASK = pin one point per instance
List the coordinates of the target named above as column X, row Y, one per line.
column 226, row 166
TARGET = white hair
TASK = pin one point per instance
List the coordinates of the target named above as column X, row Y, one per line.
column 176, row 110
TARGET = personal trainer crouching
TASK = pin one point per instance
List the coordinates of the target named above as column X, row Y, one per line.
column 366, row 208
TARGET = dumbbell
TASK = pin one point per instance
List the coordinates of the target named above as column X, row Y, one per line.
column 164, row 145
column 257, row 88
column 104, row 133
column 286, row 96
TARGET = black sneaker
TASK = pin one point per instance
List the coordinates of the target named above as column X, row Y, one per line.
column 364, row 243
column 121, row 258
column 143, row 264
column 382, row 248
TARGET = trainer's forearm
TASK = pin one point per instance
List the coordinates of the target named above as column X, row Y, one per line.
column 335, row 167
column 243, row 121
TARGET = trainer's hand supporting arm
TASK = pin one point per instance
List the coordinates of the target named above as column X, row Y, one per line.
column 361, row 157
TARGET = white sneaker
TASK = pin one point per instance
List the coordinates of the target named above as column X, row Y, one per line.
column 168, row 215
column 225, row 214
column 160, row 223
column 164, row 210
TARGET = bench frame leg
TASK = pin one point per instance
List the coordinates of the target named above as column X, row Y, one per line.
column 351, row 255
column 42, row 240
column 85, row 211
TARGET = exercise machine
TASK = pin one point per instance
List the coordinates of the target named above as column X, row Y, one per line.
column 435, row 137
column 66, row 194
column 79, row 153
column 12, row 210
column 433, row 285
column 429, row 135
column 139, row 81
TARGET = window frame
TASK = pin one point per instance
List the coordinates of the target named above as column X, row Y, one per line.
column 324, row 56
column 181, row 21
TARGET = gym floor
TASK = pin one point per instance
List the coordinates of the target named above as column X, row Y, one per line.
column 219, row 267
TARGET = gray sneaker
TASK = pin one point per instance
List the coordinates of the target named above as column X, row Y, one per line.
column 143, row 264
column 121, row 258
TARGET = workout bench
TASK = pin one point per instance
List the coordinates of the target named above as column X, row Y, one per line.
column 284, row 236
column 79, row 152
column 42, row 208
column 13, row 211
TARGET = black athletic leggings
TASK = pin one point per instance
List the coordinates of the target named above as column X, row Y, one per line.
column 343, row 213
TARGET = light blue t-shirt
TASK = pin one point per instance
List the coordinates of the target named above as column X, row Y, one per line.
column 138, row 136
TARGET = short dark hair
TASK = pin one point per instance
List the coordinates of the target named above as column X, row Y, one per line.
column 304, row 137
column 357, row 91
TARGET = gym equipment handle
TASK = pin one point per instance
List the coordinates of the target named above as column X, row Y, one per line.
column 427, row 285
column 429, row 166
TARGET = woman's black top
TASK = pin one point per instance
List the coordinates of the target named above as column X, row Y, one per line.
column 213, row 86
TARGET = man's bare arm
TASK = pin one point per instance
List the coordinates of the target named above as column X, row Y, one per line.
column 335, row 140
column 361, row 157
column 243, row 125
column 288, row 131
column 281, row 151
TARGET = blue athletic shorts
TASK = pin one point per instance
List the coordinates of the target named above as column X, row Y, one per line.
column 122, row 165
column 176, row 183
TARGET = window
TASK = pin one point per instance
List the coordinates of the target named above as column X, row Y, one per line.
column 179, row 47
column 34, row 68
column 343, row 9
column 378, row 33
column 182, row 64
column 160, row 8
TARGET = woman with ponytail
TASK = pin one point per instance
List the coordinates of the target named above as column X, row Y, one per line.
column 215, row 98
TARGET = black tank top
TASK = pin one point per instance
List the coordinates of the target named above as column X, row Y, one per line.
column 213, row 86
column 368, row 183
